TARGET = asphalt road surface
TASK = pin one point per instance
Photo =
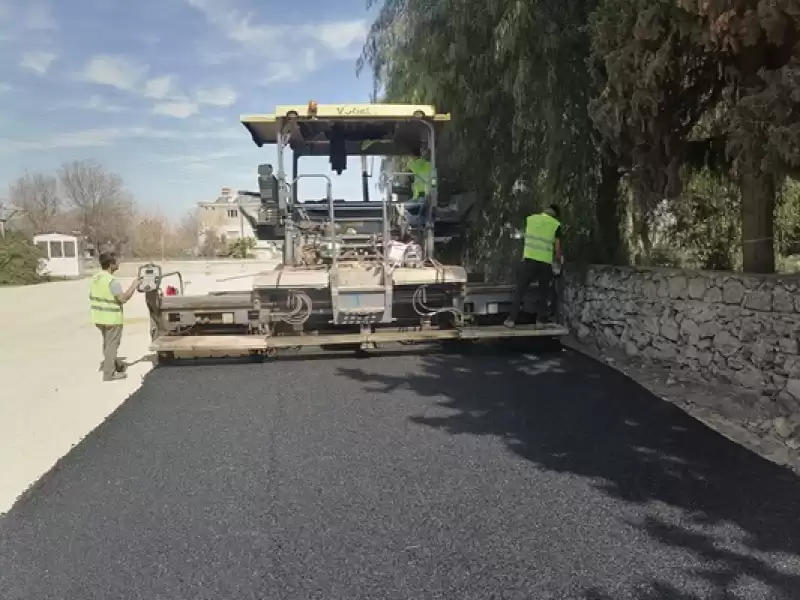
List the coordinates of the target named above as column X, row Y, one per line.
column 410, row 477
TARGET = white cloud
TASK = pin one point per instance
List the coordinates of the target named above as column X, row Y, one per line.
column 38, row 62
column 291, row 71
column 158, row 87
column 342, row 39
column 89, row 138
column 235, row 24
column 5, row 88
column 39, row 17
column 103, row 137
column 94, row 103
column 128, row 75
column 219, row 96
column 282, row 73
column 99, row 104
column 210, row 157
column 115, row 71
column 178, row 109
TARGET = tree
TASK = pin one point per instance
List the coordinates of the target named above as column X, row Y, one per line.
column 516, row 76
column 707, row 224
column 104, row 209
column 715, row 75
column 37, row 195
column 787, row 226
column 187, row 232
column 150, row 236
column 579, row 100
column 213, row 244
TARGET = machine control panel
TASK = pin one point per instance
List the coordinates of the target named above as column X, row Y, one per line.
column 150, row 278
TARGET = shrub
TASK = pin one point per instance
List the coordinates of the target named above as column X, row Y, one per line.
column 19, row 260
column 242, row 248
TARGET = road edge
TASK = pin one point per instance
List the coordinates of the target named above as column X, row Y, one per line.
column 663, row 383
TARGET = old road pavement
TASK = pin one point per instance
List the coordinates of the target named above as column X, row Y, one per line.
column 404, row 477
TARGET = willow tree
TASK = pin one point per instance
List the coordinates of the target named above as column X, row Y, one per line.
column 515, row 75
column 727, row 64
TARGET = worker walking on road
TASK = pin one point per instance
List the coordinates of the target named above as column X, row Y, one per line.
column 106, row 298
column 542, row 254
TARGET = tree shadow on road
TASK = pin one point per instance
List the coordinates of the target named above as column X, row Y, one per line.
column 569, row 414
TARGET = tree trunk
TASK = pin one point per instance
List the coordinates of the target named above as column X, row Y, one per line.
column 758, row 223
column 608, row 215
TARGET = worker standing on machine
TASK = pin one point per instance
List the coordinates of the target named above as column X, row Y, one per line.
column 422, row 171
column 421, row 168
column 541, row 256
column 106, row 299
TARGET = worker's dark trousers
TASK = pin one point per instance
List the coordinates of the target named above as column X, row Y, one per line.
column 112, row 336
column 530, row 271
column 151, row 300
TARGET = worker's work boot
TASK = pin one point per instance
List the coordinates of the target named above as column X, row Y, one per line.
column 116, row 376
column 509, row 323
column 121, row 367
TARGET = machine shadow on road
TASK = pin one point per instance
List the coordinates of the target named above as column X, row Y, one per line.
column 570, row 414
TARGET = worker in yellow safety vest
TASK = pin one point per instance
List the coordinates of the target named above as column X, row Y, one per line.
column 106, row 298
column 421, row 168
column 541, row 257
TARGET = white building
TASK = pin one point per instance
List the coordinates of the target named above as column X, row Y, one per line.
column 63, row 254
column 224, row 216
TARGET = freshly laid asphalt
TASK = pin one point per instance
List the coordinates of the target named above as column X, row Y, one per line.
column 404, row 477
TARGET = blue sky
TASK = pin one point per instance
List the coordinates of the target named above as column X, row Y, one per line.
column 154, row 88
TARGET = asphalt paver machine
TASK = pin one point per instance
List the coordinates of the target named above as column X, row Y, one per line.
column 356, row 273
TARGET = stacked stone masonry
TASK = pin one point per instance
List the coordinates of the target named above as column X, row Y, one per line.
column 718, row 325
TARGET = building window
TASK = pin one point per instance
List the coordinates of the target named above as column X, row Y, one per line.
column 69, row 249
column 233, row 213
column 56, row 250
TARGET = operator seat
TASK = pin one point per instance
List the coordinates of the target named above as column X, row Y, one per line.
column 267, row 184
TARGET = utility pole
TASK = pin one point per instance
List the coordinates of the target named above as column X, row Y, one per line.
column 6, row 213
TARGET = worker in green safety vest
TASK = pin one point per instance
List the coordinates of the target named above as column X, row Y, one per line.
column 541, row 257
column 106, row 298
column 422, row 171
column 421, row 168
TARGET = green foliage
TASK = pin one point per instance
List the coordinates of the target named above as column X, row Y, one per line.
column 561, row 101
column 682, row 74
column 701, row 229
column 242, row 248
column 787, row 220
column 19, row 260
column 707, row 224
column 514, row 75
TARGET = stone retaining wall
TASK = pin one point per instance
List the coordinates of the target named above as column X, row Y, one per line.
column 718, row 325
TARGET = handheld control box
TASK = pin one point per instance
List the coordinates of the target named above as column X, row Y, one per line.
column 150, row 278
